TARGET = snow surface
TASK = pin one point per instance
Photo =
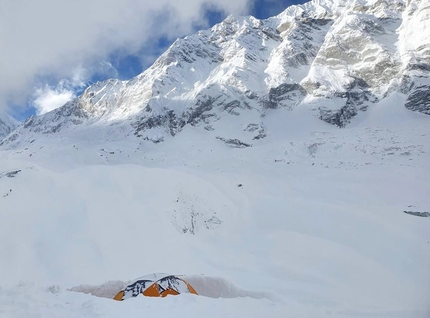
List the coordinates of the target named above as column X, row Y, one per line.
column 308, row 223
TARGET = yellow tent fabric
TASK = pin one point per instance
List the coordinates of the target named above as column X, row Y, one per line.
column 156, row 285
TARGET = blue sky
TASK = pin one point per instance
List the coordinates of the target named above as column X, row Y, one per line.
column 67, row 60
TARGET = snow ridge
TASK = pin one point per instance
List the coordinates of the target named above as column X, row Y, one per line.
column 7, row 124
column 333, row 58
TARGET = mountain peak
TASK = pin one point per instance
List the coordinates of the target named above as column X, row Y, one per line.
column 333, row 58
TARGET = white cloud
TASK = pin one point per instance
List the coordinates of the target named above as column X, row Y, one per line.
column 54, row 37
column 48, row 98
column 79, row 77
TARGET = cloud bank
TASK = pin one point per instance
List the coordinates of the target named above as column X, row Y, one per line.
column 45, row 41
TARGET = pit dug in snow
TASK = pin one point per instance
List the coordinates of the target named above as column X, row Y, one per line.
column 161, row 285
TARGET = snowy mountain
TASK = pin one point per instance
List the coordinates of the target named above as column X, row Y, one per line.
column 224, row 162
column 333, row 58
column 7, row 124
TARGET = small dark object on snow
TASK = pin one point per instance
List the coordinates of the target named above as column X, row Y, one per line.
column 240, row 185
column 421, row 214
column 12, row 174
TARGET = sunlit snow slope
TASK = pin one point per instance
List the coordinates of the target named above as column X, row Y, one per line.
column 332, row 58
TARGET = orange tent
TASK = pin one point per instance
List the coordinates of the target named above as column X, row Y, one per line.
column 156, row 285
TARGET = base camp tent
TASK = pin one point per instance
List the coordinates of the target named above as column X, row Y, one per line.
column 156, row 285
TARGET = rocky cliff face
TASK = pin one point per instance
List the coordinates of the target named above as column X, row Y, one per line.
column 335, row 58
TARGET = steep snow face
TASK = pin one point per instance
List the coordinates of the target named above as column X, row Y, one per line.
column 334, row 58
column 7, row 124
column 357, row 62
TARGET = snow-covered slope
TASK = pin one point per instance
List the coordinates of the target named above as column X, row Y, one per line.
column 7, row 124
column 311, row 223
column 333, row 58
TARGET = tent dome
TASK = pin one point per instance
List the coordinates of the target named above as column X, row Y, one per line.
column 156, row 285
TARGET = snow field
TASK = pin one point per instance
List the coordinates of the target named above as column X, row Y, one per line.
column 307, row 223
